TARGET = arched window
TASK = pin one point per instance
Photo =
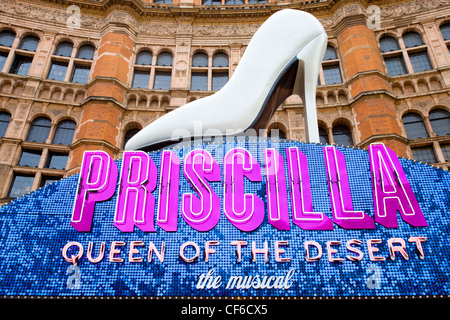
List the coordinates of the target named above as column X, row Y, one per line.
column 199, row 74
column 219, row 76
column 163, row 74
column 64, row 132
column 39, row 130
column 142, row 71
column 323, row 136
column 440, row 121
column 445, row 31
column 4, row 122
column 394, row 62
column 82, row 69
column 412, row 39
column 128, row 135
column 200, row 59
column 220, row 59
column 86, row 52
column 330, row 53
column 419, row 58
column 29, row 43
column 144, row 58
column 388, row 43
column 164, row 59
column 59, row 66
column 331, row 67
column 7, row 38
column 414, row 126
column 64, row 49
column 342, row 135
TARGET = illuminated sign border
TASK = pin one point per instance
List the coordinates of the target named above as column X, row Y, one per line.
column 329, row 258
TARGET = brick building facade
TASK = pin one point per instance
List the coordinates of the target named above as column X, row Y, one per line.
column 87, row 76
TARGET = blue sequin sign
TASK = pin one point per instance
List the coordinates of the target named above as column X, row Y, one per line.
column 43, row 254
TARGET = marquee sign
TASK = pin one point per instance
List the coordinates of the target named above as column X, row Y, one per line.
column 239, row 218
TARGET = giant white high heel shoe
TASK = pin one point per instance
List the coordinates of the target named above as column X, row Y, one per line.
column 283, row 57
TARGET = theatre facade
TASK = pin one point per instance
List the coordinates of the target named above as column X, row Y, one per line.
column 363, row 213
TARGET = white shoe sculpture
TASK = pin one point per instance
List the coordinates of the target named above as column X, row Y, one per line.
column 283, row 58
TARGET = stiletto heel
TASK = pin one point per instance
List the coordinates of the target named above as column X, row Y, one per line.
column 282, row 58
column 310, row 59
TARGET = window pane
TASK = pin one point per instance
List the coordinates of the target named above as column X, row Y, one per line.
column 21, row 65
column 420, row 61
column 21, row 185
column 199, row 81
column 330, row 53
column 342, row 136
column 56, row 161
column 163, row 1
column 64, row 132
column 144, row 58
column 162, row 80
column 64, row 49
column 440, row 121
column 4, row 123
column 388, row 44
column 86, row 52
column 220, row 60
column 332, row 74
column 414, row 126
column 231, row 2
column 446, row 151
column 29, row 43
column 7, row 38
column 219, row 79
column 445, row 30
column 128, row 135
column 277, row 133
column 424, row 154
column 30, row 158
column 412, row 39
column 164, row 59
column 81, row 74
column 141, row 79
column 395, row 66
column 39, row 130
column 46, row 180
column 57, row 71
column 200, row 60
column 3, row 56
column 323, row 136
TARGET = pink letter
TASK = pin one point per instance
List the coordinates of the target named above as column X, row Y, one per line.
column 341, row 200
column 307, row 253
column 276, row 190
column 391, row 190
column 135, row 203
column 401, row 248
column 168, row 191
column 97, row 182
column 372, row 250
column 245, row 211
column 302, row 208
column 201, row 214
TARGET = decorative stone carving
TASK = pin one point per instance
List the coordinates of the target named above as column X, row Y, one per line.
column 225, row 30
